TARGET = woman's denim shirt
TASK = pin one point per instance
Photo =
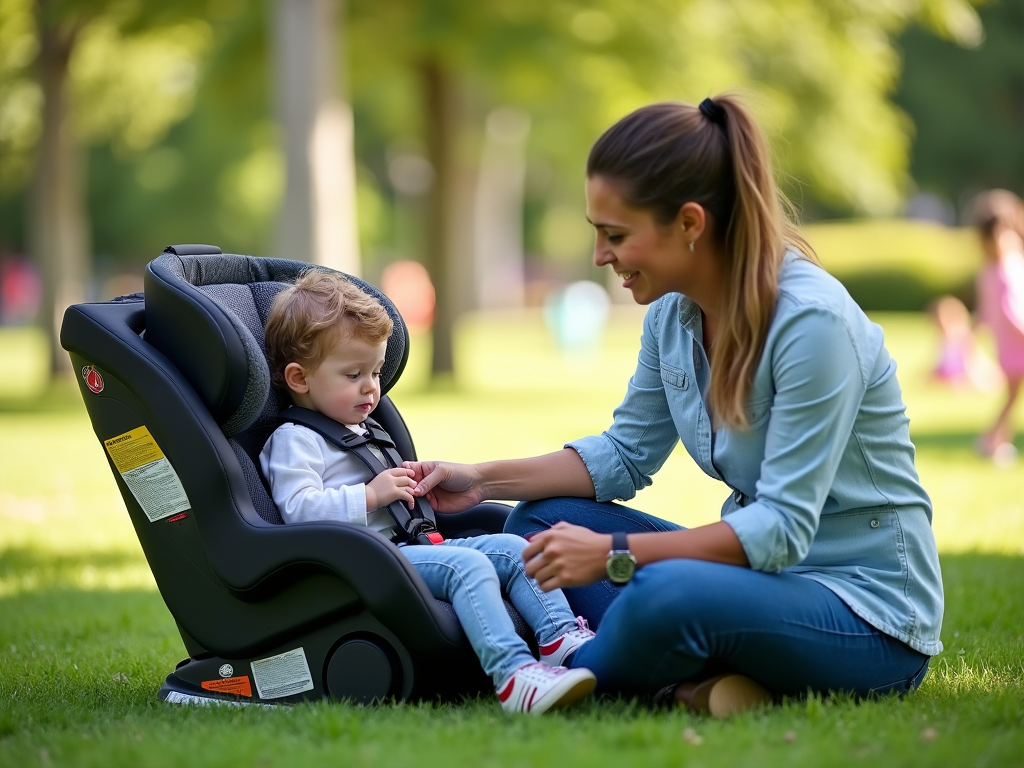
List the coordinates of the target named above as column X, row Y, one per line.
column 823, row 482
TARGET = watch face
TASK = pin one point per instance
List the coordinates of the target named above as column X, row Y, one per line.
column 621, row 567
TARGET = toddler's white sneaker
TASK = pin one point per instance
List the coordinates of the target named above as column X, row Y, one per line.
column 558, row 650
column 535, row 688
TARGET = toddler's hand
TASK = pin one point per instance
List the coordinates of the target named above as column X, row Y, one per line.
column 390, row 485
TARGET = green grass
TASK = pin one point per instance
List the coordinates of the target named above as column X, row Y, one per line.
column 85, row 639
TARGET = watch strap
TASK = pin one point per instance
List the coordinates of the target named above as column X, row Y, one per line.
column 619, row 542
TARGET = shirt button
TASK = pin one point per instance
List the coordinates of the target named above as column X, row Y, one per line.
column 874, row 523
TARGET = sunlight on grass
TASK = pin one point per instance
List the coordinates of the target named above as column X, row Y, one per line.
column 135, row 576
column 23, row 354
column 959, row 676
column 85, row 638
column 517, row 396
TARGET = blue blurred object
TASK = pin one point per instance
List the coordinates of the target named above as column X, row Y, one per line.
column 576, row 316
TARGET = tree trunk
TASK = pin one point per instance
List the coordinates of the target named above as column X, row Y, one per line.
column 440, row 247
column 318, row 215
column 498, row 211
column 58, row 226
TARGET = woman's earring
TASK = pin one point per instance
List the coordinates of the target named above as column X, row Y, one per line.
column 691, row 246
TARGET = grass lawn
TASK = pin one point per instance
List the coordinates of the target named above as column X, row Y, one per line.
column 85, row 639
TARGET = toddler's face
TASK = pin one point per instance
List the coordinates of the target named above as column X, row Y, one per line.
column 346, row 385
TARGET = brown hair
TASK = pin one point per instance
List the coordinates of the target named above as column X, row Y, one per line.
column 309, row 317
column 664, row 155
column 998, row 209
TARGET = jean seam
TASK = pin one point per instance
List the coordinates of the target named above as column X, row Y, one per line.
column 542, row 598
column 488, row 635
column 613, row 512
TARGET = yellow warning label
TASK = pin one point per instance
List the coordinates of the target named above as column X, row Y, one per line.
column 133, row 449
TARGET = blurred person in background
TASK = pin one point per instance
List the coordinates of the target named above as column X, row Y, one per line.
column 20, row 291
column 999, row 219
column 822, row 574
column 961, row 360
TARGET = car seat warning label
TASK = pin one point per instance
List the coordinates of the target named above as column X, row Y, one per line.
column 282, row 675
column 236, row 685
column 147, row 473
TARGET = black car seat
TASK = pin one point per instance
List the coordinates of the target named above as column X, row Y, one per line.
column 177, row 387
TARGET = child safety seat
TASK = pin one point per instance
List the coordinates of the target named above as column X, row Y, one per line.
column 177, row 387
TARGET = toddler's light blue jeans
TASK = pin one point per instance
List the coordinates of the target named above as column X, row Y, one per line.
column 471, row 575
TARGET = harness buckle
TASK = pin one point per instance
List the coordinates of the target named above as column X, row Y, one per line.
column 422, row 531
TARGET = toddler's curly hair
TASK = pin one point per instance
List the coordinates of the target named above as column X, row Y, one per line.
column 310, row 317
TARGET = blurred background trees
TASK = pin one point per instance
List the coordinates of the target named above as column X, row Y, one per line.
column 471, row 125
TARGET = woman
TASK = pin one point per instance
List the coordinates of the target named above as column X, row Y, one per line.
column 822, row 574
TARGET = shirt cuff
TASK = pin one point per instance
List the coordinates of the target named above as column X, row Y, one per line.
column 611, row 480
column 760, row 533
column 355, row 503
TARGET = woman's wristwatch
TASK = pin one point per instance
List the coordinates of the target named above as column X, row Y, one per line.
column 621, row 564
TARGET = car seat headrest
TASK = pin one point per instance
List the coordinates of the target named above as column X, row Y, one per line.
column 206, row 312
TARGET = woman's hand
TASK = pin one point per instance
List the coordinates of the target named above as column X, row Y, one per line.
column 567, row 556
column 448, row 487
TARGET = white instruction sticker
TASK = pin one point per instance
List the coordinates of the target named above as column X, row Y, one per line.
column 282, row 675
column 147, row 473
column 176, row 697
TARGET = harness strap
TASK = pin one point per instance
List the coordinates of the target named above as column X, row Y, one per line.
column 418, row 525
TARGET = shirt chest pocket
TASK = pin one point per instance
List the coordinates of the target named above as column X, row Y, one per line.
column 674, row 377
column 758, row 411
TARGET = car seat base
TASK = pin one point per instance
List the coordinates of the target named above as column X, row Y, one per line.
column 177, row 691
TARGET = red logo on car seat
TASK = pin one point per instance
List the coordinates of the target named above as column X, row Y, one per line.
column 93, row 380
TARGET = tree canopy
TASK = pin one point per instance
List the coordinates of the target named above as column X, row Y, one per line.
column 175, row 106
column 967, row 106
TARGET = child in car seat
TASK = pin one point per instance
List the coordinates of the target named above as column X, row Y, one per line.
column 326, row 341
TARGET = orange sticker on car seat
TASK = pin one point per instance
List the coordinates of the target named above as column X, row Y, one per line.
column 240, row 686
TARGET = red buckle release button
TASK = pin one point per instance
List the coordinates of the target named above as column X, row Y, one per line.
column 435, row 538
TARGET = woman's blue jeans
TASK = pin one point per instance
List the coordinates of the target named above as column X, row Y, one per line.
column 471, row 574
column 680, row 620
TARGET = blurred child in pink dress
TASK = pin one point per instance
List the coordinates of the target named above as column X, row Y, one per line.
column 999, row 218
column 961, row 362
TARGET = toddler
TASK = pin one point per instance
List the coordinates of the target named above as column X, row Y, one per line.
column 326, row 340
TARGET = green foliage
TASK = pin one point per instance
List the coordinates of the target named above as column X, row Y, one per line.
column 173, row 99
column 133, row 73
column 967, row 105
column 215, row 178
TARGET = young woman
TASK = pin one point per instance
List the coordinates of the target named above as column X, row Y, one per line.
column 822, row 574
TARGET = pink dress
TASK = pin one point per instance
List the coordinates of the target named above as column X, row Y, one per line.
column 1001, row 307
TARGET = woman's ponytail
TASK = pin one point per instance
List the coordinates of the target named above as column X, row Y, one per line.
column 715, row 155
column 756, row 237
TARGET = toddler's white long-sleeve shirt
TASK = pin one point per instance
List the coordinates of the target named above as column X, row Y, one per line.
column 311, row 479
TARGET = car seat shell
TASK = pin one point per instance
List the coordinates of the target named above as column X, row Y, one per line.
column 239, row 586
